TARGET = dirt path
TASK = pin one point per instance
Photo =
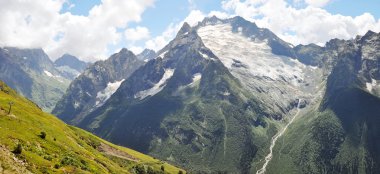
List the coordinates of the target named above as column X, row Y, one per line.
column 107, row 149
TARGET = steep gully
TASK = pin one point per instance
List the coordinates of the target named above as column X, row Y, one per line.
column 268, row 158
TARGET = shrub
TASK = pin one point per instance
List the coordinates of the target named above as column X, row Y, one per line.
column 18, row 149
column 139, row 169
column 180, row 172
column 43, row 135
column 56, row 166
column 150, row 170
column 48, row 157
column 162, row 168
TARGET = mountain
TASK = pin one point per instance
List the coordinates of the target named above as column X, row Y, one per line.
column 32, row 141
column 70, row 66
column 226, row 96
column 181, row 106
column 32, row 74
column 95, row 85
column 209, row 100
column 147, row 55
column 340, row 134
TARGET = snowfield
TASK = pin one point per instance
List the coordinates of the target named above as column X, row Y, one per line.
column 156, row 87
column 105, row 94
column 276, row 80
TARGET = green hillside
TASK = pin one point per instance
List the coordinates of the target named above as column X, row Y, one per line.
column 341, row 138
column 63, row 149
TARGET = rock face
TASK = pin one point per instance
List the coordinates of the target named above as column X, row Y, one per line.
column 32, row 74
column 95, row 85
column 212, row 99
column 70, row 66
column 147, row 55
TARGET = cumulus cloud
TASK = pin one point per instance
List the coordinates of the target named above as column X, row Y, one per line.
column 302, row 26
column 192, row 19
column 136, row 34
column 317, row 3
column 39, row 23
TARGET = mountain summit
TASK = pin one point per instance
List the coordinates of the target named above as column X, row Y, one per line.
column 225, row 94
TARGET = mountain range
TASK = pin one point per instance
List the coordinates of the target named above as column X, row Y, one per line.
column 226, row 96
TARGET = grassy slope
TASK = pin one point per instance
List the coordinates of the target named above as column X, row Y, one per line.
column 75, row 150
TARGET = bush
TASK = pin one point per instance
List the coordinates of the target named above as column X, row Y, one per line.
column 47, row 157
column 43, row 135
column 57, row 166
column 18, row 149
column 163, row 168
column 139, row 169
column 180, row 172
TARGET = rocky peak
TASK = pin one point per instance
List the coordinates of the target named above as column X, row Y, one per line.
column 70, row 61
column 184, row 29
column 147, row 55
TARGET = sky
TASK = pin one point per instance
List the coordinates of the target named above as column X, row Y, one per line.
column 95, row 29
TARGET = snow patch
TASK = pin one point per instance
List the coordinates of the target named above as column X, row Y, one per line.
column 157, row 87
column 24, row 58
column 48, row 73
column 196, row 77
column 204, row 55
column 76, row 104
column 162, row 55
column 105, row 94
column 146, row 60
column 372, row 85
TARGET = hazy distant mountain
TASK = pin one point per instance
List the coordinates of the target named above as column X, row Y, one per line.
column 70, row 66
column 147, row 55
column 32, row 74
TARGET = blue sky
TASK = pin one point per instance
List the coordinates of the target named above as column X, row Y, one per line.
column 164, row 12
column 61, row 27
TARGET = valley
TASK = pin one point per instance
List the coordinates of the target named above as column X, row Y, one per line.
column 222, row 96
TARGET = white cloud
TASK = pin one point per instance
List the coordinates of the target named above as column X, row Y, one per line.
column 317, row 3
column 38, row 23
column 136, row 49
column 136, row 34
column 192, row 19
column 304, row 25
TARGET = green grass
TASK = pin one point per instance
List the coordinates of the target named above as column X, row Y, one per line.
column 65, row 149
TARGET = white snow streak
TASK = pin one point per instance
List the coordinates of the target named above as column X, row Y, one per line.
column 105, row 94
column 157, row 87
column 48, row 73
